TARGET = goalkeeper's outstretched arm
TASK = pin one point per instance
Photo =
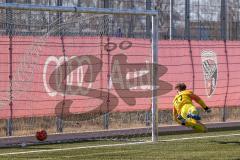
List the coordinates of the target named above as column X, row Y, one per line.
column 200, row 102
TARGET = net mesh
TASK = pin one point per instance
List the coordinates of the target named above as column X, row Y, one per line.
column 73, row 72
column 68, row 72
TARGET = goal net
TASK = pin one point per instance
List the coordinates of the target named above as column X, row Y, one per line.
column 76, row 72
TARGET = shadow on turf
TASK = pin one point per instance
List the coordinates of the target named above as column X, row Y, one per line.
column 227, row 142
column 41, row 145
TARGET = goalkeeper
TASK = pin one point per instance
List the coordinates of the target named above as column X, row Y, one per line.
column 184, row 112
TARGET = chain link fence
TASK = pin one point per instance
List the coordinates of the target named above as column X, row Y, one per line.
column 182, row 19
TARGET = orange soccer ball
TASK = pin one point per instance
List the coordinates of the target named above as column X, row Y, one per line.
column 41, row 135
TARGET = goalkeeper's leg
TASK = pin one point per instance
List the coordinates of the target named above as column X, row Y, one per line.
column 196, row 125
column 192, row 122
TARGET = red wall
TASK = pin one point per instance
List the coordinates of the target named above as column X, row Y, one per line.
column 36, row 58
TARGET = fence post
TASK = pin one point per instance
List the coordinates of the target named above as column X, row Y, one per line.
column 171, row 20
column 154, row 78
column 148, row 19
column 59, row 121
column 238, row 23
column 106, row 4
column 9, row 32
column 223, row 20
column 131, row 25
column 187, row 20
column 224, row 37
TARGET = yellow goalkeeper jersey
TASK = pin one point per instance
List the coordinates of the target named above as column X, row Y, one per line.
column 186, row 97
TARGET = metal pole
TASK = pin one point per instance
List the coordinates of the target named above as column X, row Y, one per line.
column 187, row 20
column 148, row 19
column 238, row 21
column 60, row 21
column 224, row 118
column 223, row 20
column 106, row 4
column 199, row 23
column 131, row 25
column 106, row 114
column 154, row 77
column 227, row 20
column 10, row 120
column 224, row 38
column 170, row 20
column 10, row 34
column 29, row 16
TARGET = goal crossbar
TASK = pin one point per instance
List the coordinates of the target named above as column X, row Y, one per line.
column 77, row 9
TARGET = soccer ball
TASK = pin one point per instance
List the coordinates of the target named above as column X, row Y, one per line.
column 41, row 135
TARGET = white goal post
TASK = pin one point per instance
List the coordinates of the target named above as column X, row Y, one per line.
column 109, row 11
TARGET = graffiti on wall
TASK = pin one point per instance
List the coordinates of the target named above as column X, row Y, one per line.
column 129, row 80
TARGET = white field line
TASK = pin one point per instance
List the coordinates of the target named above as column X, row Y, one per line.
column 201, row 137
column 114, row 145
column 74, row 148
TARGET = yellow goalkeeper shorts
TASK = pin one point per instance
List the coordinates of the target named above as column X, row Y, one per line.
column 191, row 109
column 188, row 108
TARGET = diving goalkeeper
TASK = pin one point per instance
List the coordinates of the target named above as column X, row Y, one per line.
column 184, row 112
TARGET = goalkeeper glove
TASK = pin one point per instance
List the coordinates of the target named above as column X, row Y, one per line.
column 207, row 110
